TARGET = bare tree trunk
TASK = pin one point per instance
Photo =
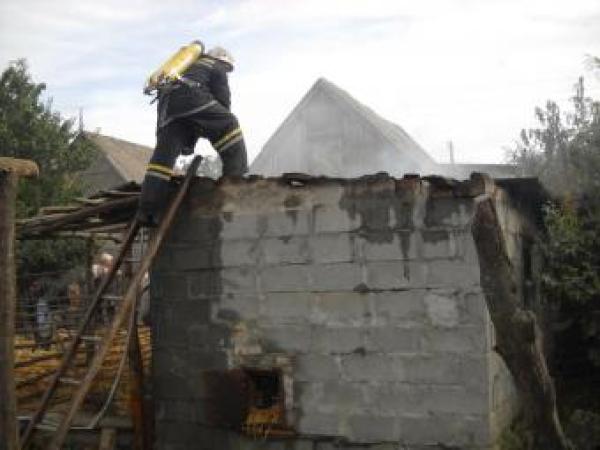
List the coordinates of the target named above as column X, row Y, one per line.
column 518, row 337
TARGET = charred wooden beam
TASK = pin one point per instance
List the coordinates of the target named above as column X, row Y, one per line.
column 518, row 337
column 50, row 224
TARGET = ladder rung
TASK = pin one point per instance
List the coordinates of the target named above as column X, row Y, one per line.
column 67, row 380
column 46, row 426
column 112, row 297
column 91, row 338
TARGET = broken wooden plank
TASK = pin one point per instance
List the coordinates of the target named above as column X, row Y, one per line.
column 116, row 193
column 59, row 209
column 54, row 224
column 89, row 201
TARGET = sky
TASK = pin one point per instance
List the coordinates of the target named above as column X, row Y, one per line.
column 469, row 71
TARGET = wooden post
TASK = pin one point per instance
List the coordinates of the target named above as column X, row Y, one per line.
column 89, row 292
column 10, row 169
column 108, row 439
column 136, row 369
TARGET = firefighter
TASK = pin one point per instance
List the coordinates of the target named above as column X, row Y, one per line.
column 196, row 105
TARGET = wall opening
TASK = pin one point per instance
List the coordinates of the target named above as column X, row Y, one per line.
column 266, row 403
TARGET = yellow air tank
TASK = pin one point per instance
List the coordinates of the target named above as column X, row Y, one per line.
column 175, row 66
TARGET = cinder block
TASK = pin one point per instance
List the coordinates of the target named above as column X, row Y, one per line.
column 307, row 395
column 290, row 338
column 400, row 308
column 336, row 277
column 289, row 223
column 448, row 211
column 171, row 286
column 476, row 307
column 242, row 252
column 168, row 387
column 338, row 340
column 297, row 444
column 189, row 363
column 465, row 247
column 211, row 337
column 395, row 398
column 368, row 428
column 442, row 309
column 236, row 280
column 438, row 244
column 196, row 257
column 454, row 399
column 287, row 307
column 371, row 367
column 204, row 284
column 311, row 367
column 332, row 248
column 474, row 373
column 342, row 308
column 392, row 339
column 286, row 250
column 163, row 262
column 452, row 273
column 241, row 226
column 289, row 278
column 401, row 246
column 450, row 429
column 461, row 340
column 396, row 275
column 330, row 219
column 318, row 424
column 175, row 434
column 245, row 306
column 183, row 315
column 342, row 397
column 438, row 369
column 195, row 228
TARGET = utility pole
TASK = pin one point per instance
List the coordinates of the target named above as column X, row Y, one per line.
column 10, row 170
column 451, row 151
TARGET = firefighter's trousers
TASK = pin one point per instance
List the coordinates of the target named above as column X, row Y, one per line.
column 180, row 134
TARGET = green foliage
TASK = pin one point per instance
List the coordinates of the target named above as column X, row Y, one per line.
column 517, row 436
column 584, row 429
column 564, row 152
column 29, row 129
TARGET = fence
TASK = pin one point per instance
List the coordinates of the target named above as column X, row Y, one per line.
column 50, row 306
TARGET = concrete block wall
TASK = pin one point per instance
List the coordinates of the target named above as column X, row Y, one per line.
column 363, row 293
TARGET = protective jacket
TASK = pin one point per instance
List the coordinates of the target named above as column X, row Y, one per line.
column 203, row 83
column 197, row 106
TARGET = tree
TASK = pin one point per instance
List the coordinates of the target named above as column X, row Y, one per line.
column 564, row 152
column 30, row 129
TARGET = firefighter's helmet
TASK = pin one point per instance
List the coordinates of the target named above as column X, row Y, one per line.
column 222, row 55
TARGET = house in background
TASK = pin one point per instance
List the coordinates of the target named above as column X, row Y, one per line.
column 116, row 162
column 330, row 133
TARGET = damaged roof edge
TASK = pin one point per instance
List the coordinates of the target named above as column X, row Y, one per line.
column 118, row 205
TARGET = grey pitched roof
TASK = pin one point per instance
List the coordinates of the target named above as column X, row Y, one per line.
column 408, row 149
column 393, row 132
column 128, row 159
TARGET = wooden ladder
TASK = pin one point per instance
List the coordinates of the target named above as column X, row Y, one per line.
column 85, row 330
